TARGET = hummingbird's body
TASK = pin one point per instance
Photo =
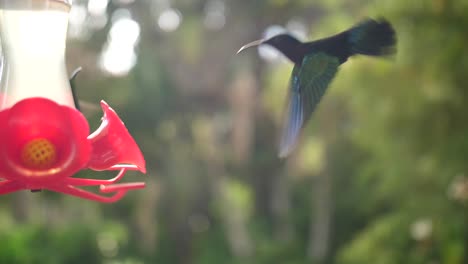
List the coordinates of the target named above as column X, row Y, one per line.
column 315, row 66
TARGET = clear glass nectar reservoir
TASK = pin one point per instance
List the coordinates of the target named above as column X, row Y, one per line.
column 33, row 36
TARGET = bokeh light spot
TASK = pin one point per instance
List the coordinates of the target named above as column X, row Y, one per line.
column 97, row 7
column 169, row 20
column 215, row 15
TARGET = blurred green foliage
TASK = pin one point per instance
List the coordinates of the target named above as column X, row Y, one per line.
column 380, row 176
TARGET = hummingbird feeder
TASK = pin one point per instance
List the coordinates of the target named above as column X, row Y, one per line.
column 44, row 138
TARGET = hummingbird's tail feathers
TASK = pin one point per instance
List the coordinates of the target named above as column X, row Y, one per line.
column 373, row 38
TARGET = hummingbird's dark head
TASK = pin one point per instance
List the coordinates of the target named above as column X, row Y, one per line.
column 285, row 43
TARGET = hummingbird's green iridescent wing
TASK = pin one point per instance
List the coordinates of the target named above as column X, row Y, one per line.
column 308, row 84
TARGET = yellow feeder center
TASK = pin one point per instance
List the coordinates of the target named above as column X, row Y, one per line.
column 39, row 154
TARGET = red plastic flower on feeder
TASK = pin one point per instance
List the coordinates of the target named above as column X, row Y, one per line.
column 44, row 139
column 43, row 144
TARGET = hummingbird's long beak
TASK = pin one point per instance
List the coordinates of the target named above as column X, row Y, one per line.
column 251, row 44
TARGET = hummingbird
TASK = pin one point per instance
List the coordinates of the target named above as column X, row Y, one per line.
column 316, row 64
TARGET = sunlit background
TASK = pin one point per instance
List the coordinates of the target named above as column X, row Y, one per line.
column 380, row 176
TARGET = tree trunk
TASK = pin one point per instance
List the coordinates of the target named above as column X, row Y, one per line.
column 320, row 224
column 281, row 207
